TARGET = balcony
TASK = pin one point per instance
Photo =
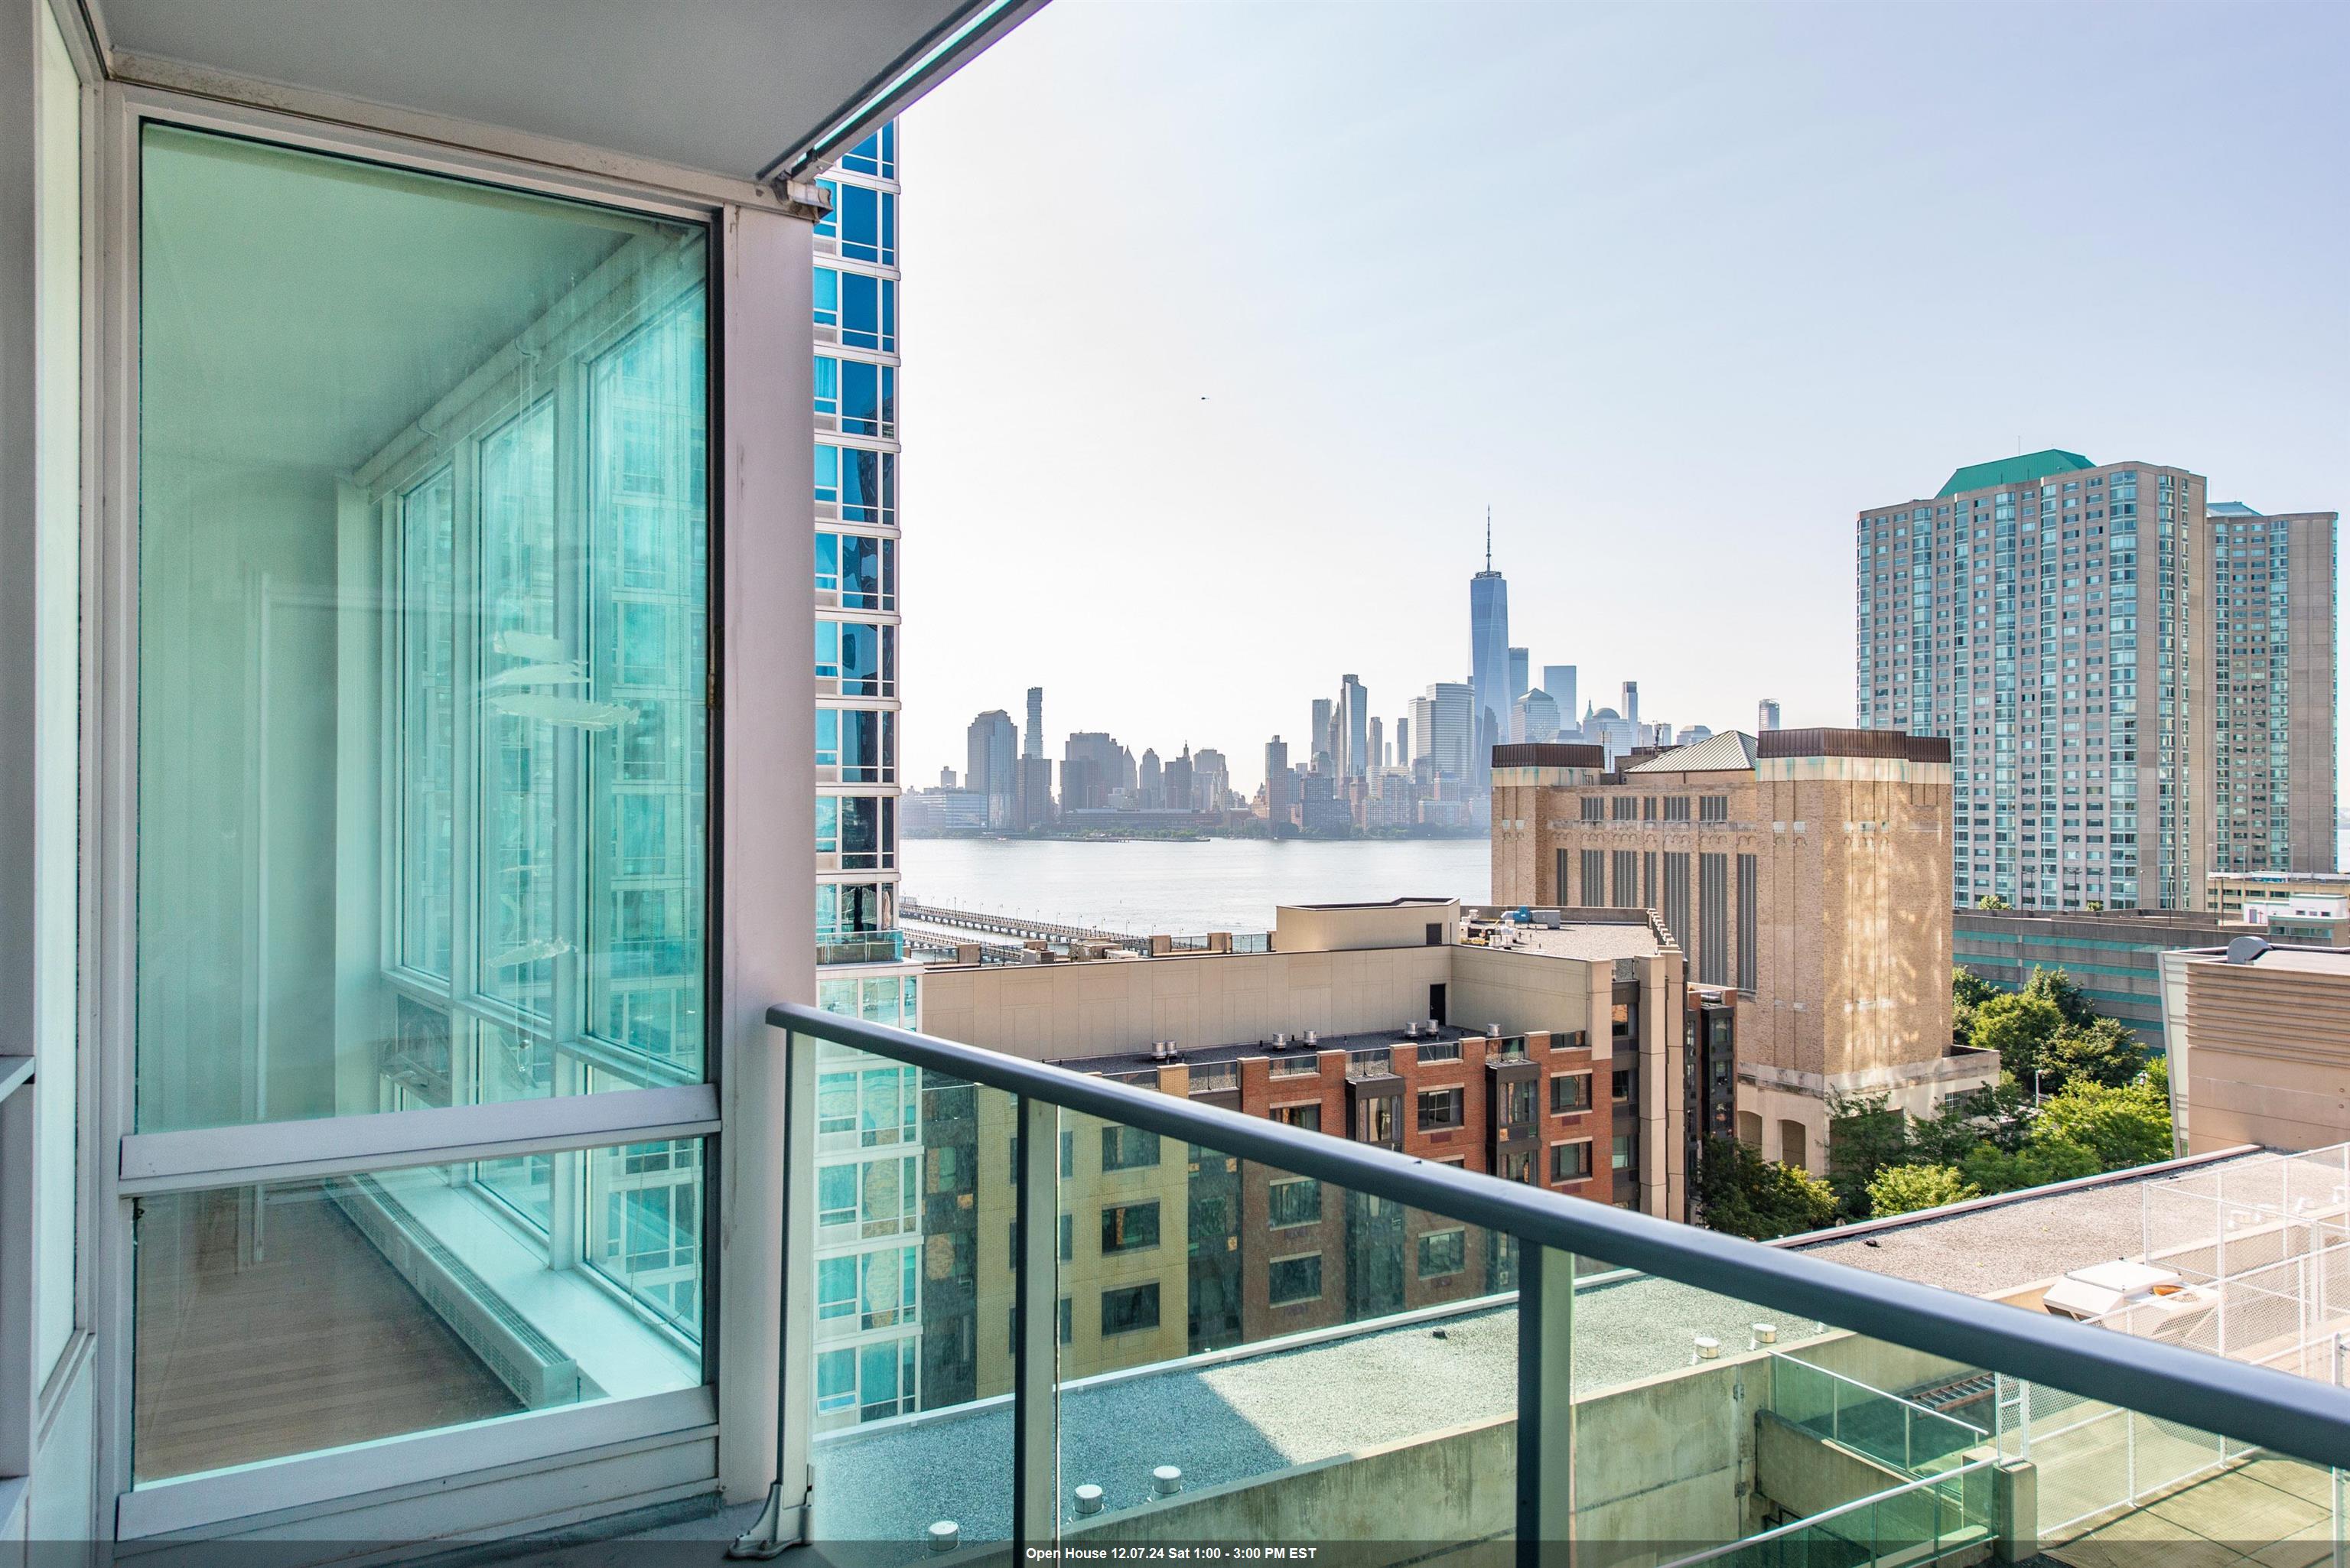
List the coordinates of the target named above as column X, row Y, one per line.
column 862, row 947
column 1294, row 1334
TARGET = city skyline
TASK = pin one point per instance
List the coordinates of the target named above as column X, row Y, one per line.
column 1657, row 424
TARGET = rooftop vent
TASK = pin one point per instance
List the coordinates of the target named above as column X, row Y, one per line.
column 1314, row 1037
column 1280, row 1042
column 2247, row 949
column 1412, row 1032
column 1167, row 1481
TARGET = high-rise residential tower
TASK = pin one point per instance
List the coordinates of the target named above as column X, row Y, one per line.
column 1032, row 739
column 1280, row 785
column 1488, row 665
column 2275, row 706
column 1323, row 741
column 860, row 957
column 2061, row 621
column 1766, row 714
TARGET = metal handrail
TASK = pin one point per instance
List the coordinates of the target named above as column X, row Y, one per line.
column 2254, row 1404
column 1796, row 1527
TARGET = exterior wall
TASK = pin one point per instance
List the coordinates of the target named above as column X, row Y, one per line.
column 2264, row 1055
column 2227, row 892
column 2116, row 959
column 1327, row 927
column 1850, row 974
column 1060, row 1012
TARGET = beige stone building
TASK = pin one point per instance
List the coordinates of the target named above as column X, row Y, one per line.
column 1807, row 872
column 2258, row 1038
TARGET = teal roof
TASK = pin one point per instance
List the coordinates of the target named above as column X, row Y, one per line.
column 2025, row 470
column 2229, row 509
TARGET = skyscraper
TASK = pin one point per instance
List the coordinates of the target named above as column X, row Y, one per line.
column 1280, row 784
column 1377, row 751
column 2274, row 709
column 1403, row 758
column 1766, row 714
column 1324, row 740
column 1353, row 722
column 1148, row 783
column 1488, row 665
column 1519, row 684
column 1558, row 679
column 992, row 764
column 1441, row 730
column 2049, row 614
column 1033, row 742
column 1628, row 706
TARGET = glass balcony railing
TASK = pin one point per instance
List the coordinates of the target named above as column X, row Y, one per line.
column 1113, row 1318
column 862, row 947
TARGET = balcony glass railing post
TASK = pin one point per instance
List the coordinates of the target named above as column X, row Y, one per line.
column 1143, row 1318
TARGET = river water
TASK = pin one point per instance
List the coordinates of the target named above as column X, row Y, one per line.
column 1145, row 885
column 1142, row 886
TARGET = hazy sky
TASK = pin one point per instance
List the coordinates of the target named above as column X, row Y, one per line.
column 1224, row 321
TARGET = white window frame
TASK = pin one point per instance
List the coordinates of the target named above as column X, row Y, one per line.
column 426, row 1484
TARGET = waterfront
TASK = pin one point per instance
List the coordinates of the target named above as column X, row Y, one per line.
column 1185, row 887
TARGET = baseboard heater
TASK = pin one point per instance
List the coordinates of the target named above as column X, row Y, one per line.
column 524, row 1360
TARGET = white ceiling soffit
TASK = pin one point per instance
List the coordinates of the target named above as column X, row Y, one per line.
column 746, row 88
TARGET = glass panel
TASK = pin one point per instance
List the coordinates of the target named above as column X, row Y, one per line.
column 423, row 550
column 300, row 1316
column 915, row 1196
column 1244, row 1324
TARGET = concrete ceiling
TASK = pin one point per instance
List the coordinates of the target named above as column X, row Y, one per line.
column 725, row 86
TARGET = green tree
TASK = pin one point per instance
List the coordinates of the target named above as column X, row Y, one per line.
column 1992, row 901
column 1968, row 991
column 2019, row 1026
column 1865, row 1135
column 2122, row 1126
column 2054, row 985
column 2101, row 1051
column 1743, row 1194
column 1990, row 1168
column 1905, row 1188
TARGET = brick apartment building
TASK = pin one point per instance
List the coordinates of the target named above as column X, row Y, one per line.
column 1547, row 1051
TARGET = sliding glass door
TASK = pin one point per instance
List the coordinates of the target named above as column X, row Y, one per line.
column 423, row 1075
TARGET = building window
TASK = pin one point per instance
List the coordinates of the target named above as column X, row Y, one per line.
column 1443, row 1252
column 1625, row 808
column 1518, row 1102
column 1747, row 935
column 1713, row 919
column 1595, row 808
column 1677, row 897
column 1713, row 808
column 1129, row 1226
column 1569, row 1093
column 1676, row 808
column 1594, row 879
column 1130, row 1310
column 1622, row 1085
column 1127, row 1148
column 1517, row 1166
column 1570, row 1161
column 1627, row 872
column 1288, row 1281
column 1307, row 1117
column 1294, row 1202
column 1439, row 1108
column 1620, row 1156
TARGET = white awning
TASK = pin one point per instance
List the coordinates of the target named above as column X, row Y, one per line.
column 744, row 89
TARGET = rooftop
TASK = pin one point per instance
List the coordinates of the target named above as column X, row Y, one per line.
column 1584, row 940
column 1730, row 752
column 1208, row 1055
column 2025, row 469
column 1996, row 1246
